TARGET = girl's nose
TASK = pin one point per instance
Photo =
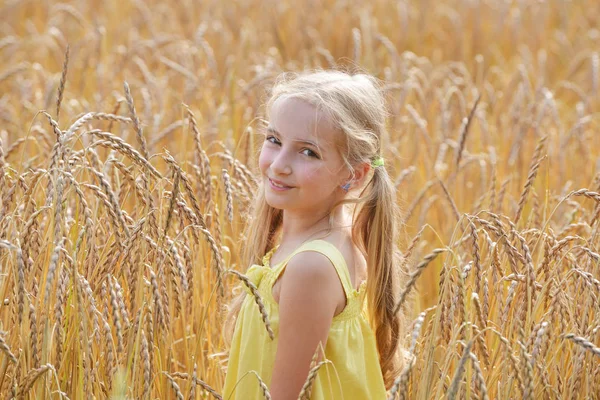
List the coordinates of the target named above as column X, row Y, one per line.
column 280, row 164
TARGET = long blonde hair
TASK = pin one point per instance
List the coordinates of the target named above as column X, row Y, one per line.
column 355, row 104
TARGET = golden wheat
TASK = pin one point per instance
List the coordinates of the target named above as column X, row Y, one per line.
column 107, row 289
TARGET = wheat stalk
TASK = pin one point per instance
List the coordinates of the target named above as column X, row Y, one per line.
column 229, row 195
column 188, row 189
column 125, row 148
column 535, row 164
column 63, row 79
column 400, row 385
column 414, row 276
column 479, row 376
column 217, row 257
column 172, row 202
column 466, row 124
column 257, row 299
column 4, row 347
column 174, row 386
column 450, row 200
column 452, row 391
column 583, row 342
column 312, row 375
column 209, row 389
column 32, row 376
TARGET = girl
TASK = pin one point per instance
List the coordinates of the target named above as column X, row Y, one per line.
column 326, row 249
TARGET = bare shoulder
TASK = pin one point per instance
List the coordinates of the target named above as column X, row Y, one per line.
column 310, row 267
column 310, row 286
column 309, row 274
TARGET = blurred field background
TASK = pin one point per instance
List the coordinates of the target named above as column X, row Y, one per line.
column 122, row 206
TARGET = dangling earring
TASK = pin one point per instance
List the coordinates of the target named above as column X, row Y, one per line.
column 346, row 187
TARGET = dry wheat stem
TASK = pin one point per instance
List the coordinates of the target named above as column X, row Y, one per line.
column 414, row 275
column 116, row 313
column 2, row 167
column 63, row 79
column 150, row 328
column 538, row 345
column 312, row 375
column 164, row 133
column 476, row 255
column 217, row 257
column 34, row 335
column 450, row 200
column 479, row 376
column 403, row 175
column 149, row 200
column 400, row 384
column 583, row 342
column 157, row 298
column 188, row 189
column 13, row 71
column 228, row 193
column 172, row 202
column 175, row 386
column 453, row 390
column 206, row 387
column 94, row 116
column 257, row 299
column 114, row 203
column 32, row 376
column 55, row 128
column 52, row 268
column 528, row 374
column 465, row 131
column 4, row 347
column 181, row 271
column 411, row 208
column 535, row 164
column 265, row 390
column 196, row 134
column 192, row 394
column 136, row 122
column 119, row 144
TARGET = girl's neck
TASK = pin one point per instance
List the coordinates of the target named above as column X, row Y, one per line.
column 297, row 229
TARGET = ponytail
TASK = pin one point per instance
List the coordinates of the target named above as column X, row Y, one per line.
column 375, row 227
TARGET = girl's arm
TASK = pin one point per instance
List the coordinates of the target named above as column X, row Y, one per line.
column 310, row 292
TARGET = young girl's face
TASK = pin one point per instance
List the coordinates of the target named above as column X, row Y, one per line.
column 300, row 162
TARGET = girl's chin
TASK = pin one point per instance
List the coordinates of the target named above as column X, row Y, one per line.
column 276, row 203
column 276, row 200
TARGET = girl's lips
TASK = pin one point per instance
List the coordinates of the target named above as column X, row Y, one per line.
column 278, row 187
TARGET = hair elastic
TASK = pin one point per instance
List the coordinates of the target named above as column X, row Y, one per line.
column 377, row 162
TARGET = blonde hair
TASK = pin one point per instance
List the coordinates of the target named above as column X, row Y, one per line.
column 355, row 104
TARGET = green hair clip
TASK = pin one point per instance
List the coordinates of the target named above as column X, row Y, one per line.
column 378, row 162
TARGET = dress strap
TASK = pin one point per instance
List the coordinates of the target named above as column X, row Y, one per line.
column 329, row 251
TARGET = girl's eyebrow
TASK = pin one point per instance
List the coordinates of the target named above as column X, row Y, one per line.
column 273, row 130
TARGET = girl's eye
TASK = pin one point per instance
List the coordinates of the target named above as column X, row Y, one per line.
column 272, row 139
column 310, row 153
column 307, row 152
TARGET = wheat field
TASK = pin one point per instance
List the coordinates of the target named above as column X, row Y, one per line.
column 128, row 140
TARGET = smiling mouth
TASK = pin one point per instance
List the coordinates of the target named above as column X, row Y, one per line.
column 278, row 185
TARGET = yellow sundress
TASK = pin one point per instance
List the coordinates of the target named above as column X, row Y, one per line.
column 351, row 346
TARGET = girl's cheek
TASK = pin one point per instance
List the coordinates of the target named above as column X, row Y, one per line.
column 264, row 159
column 311, row 172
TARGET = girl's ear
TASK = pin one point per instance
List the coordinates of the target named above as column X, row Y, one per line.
column 360, row 173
